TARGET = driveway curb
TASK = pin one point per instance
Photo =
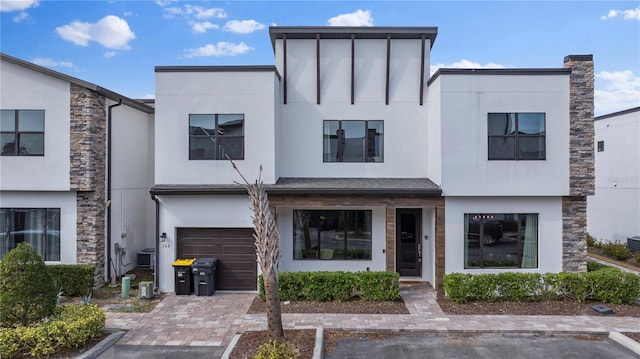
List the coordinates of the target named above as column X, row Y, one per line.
column 103, row 346
column 625, row 341
column 317, row 349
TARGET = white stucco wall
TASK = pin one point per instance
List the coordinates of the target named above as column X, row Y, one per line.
column 301, row 119
column 66, row 201
column 613, row 214
column 179, row 94
column 549, row 210
column 24, row 89
column 132, row 210
column 434, row 140
column 194, row 212
column 465, row 102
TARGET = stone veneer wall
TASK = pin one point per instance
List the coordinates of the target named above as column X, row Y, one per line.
column 87, row 177
column 581, row 162
column 391, row 203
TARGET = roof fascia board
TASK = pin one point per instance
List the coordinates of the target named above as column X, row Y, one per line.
column 618, row 113
column 259, row 68
column 500, row 72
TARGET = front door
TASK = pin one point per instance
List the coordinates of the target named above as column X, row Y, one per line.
column 408, row 243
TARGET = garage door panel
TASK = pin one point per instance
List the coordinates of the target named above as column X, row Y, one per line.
column 234, row 248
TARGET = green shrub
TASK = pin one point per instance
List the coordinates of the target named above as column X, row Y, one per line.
column 73, row 279
column 608, row 285
column 591, row 241
column 277, row 349
column 616, row 250
column 329, row 286
column 594, row 266
column 637, row 258
column 27, row 292
column 71, row 327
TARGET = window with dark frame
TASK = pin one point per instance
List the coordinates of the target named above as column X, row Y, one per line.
column 600, row 146
column 517, row 136
column 22, row 133
column 216, row 136
column 353, row 141
column 332, row 234
column 40, row 227
column 500, row 240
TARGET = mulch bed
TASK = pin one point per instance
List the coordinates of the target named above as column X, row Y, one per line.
column 249, row 343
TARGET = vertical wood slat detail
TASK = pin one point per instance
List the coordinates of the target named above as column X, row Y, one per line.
column 353, row 67
column 388, row 68
column 284, row 57
column 318, row 68
column 422, row 70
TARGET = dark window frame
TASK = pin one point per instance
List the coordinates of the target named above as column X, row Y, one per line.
column 216, row 136
column 516, row 136
column 491, row 234
column 600, row 146
column 17, row 147
column 13, row 228
column 369, row 142
column 330, row 218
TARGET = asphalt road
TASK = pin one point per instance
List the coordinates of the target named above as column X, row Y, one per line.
column 494, row 346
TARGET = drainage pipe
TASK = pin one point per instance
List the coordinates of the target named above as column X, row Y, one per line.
column 157, row 242
column 108, row 234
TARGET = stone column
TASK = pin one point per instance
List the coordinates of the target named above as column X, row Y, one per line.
column 87, row 177
column 581, row 162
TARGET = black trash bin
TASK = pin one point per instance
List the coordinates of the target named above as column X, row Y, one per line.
column 204, row 276
column 183, row 279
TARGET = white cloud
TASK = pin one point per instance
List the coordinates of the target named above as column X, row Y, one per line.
column 13, row 5
column 356, row 18
column 163, row 3
column 200, row 27
column 220, row 49
column 465, row 64
column 127, row 13
column 195, row 12
column 47, row 62
column 111, row 32
column 243, row 26
column 21, row 17
column 109, row 54
column 621, row 91
column 631, row 14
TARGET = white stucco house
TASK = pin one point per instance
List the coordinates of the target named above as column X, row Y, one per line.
column 370, row 164
column 614, row 211
column 75, row 169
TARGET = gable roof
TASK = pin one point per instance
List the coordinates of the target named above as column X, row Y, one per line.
column 76, row 81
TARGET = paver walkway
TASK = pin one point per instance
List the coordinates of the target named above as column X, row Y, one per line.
column 213, row 321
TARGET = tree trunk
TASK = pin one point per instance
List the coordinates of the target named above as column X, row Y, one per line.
column 274, row 312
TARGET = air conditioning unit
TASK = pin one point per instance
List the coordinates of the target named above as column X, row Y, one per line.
column 146, row 258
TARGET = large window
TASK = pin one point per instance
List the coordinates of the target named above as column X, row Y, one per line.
column 214, row 137
column 517, row 136
column 320, row 234
column 40, row 227
column 22, row 133
column 352, row 141
column 501, row 240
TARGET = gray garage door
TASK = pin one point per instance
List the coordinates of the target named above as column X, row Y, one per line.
column 237, row 267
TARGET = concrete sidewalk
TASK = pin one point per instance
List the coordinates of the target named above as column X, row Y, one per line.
column 213, row 321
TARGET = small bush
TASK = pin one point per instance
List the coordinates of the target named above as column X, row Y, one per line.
column 637, row 258
column 617, row 250
column 277, row 349
column 27, row 292
column 594, row 266
column 71, row 327
column 329, row 286
column 591, row 241
column 73, row 279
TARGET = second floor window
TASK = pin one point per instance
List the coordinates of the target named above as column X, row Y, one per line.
column 517, row 136
column 352, row 141
column 22, row 133
column 214, row 137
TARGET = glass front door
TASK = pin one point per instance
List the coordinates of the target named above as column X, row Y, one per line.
column 408, row 243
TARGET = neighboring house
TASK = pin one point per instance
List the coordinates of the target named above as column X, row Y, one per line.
column 75, row 169
column 614, row 211
column 371, row 165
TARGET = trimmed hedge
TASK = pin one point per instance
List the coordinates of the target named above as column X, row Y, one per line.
column 336, row 286
column 608, row 285
column 73, row 279
column 71, row 327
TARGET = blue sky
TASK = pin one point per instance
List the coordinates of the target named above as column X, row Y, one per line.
column 116, row 44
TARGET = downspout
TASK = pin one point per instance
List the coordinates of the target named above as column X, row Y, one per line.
column 157, row 241
column 108, row 245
